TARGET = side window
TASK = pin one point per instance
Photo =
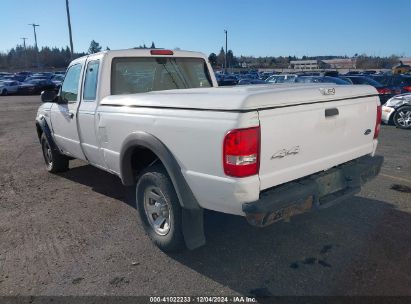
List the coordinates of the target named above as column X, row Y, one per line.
column 280, row 79
column 90, row 82
column 69, row 89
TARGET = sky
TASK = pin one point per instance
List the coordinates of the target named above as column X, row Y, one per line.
column 257, row 27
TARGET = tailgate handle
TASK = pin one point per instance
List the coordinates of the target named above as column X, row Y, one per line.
column 331, row 112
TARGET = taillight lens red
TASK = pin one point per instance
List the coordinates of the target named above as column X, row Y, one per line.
column 241, row 152
column 378, row 122
column 383, row 91
column 407, row 88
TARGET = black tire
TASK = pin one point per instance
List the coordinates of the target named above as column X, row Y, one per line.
column 4, row 92
column 402, row 117
column 55, row 161
column 155, row 180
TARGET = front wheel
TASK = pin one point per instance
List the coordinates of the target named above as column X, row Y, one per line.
column 4, row 92
column 55, row 162
column 402, row 117
column 159, row 209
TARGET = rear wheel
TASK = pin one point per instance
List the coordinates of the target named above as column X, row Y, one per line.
column 159, row 209
column 55, row 162
column 402, row 117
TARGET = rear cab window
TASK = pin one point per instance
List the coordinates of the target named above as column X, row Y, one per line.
column 144, row 74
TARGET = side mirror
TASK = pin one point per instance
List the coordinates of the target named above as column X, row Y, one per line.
column 48, row 96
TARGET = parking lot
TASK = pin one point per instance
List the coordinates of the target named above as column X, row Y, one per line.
column 77, row 233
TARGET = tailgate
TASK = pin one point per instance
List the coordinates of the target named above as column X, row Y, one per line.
column 299, row 140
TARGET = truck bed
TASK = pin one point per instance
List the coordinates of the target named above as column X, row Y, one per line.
column 237, row 99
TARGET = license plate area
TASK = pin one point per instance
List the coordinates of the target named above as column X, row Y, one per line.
column 330, row 182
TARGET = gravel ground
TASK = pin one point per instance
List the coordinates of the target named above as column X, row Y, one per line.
column 78, row 233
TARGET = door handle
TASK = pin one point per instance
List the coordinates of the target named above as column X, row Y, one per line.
column 331, row 112
column 71, row 114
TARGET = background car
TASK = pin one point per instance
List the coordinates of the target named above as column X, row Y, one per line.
column 281, row 78
column 44, row 75
column 265, row 75
column 8, row 87
column 251, row 81
column 226, row 80
column 398, row 111
column 4, row 75
column 57, row 80
column 398, row 83
column 26, row 88
column 21, row 76
column 320, row 79
column 41, row 85
column 384, row 92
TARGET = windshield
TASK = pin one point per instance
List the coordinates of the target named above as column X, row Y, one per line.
column 140, row 75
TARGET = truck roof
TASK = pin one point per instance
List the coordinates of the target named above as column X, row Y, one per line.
column 144, row 53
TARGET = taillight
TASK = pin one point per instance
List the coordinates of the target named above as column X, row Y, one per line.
column 407, row 88
column 241, row 152
column 383, row 91
column 161, row 52
column 378, row 122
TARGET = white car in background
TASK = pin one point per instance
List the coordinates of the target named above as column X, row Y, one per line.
column 398, row 110
column 284, row 78
column 8, row 87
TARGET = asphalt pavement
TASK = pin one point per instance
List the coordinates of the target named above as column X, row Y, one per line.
column 77, row 233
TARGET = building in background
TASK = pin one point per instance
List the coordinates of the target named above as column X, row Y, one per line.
column 405, row 60
column 337, row 63
column 341, row 63
column 307, row 65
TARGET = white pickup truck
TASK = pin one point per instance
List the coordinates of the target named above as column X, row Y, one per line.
column 158, row 120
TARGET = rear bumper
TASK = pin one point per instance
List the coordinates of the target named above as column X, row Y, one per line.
column 316, row 191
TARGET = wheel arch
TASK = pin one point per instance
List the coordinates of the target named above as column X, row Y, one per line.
column 43, row 127
column 192, row 212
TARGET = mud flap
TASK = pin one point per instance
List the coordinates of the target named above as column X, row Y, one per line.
column 193, row 228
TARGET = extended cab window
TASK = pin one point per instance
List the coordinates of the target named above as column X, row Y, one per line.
column 69, row 89
column 145, row 74
column 90, row 82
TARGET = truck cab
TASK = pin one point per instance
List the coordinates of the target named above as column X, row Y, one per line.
column 88, row 81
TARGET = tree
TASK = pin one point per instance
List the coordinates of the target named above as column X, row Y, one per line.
column 231, row 60
column 94, row 47
column 212, row 59
column 107, row 48
column 221, row 57
column 153, row 46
